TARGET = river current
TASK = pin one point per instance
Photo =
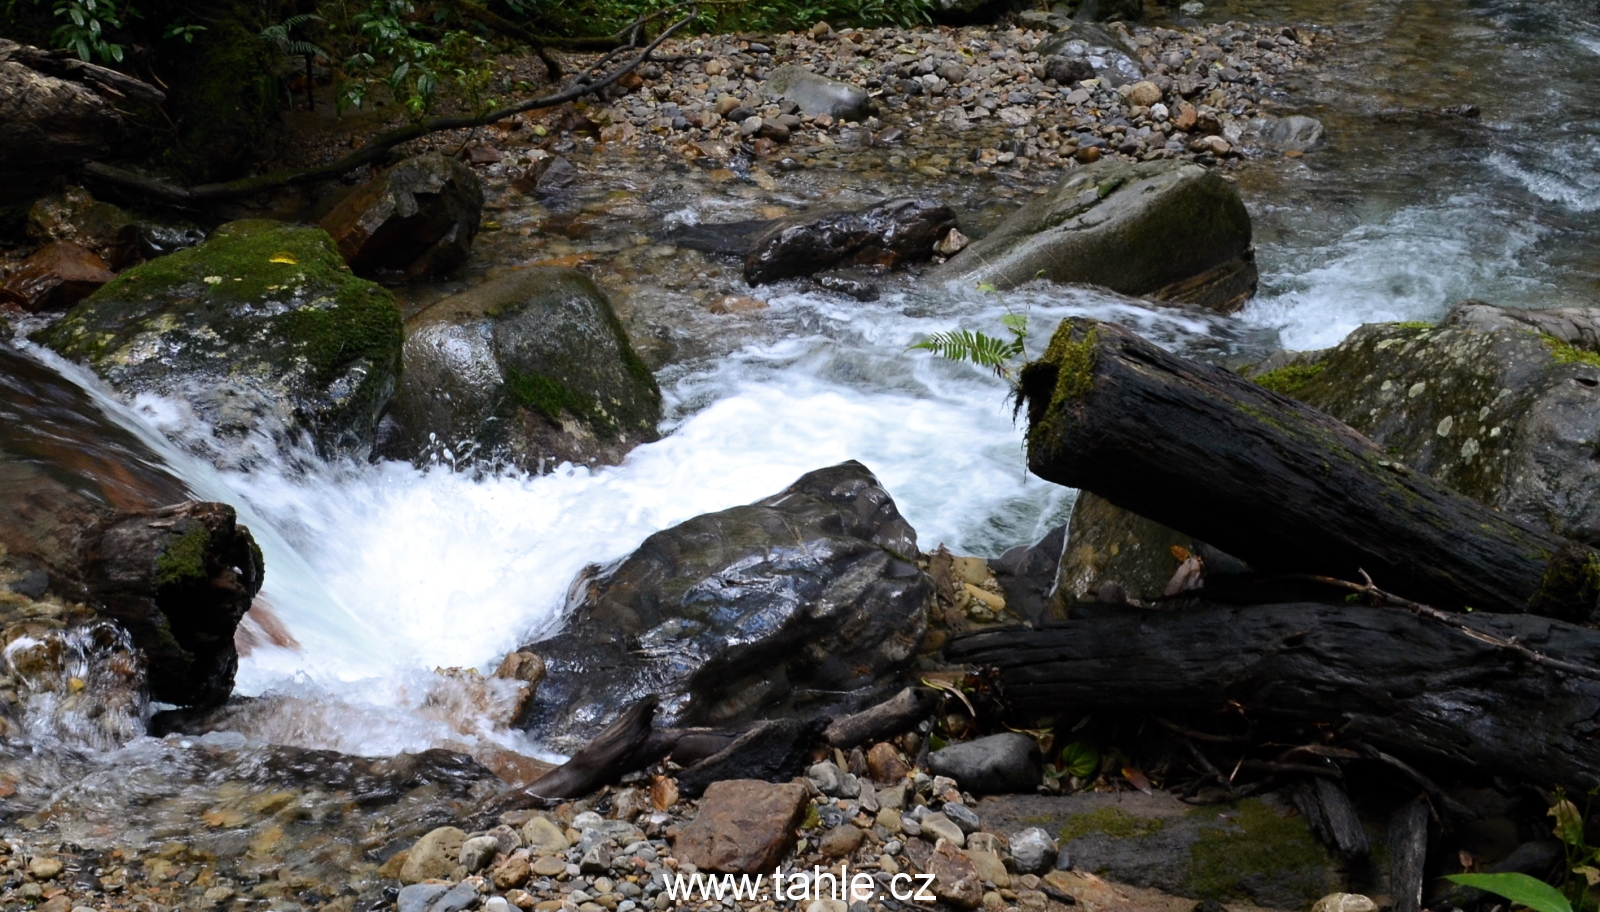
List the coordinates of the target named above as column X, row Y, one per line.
column 383, row 573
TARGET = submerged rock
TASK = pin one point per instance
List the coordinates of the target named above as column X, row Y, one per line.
column 891, row 233
column 532, row 369
column 810, row 595
column 416, row 219
column 262, row 331
column 1167, row 229
column 57, row 276
column 1500, row 404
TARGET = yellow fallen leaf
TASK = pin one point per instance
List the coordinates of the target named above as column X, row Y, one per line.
column 285, row 258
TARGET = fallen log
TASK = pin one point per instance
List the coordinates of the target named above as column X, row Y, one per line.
column 1407, row 684
column 1278, row 483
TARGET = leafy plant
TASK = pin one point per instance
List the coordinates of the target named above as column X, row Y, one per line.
column 392, row 52
column 1519, row 888
column 998, row 354
column 1077, row 760
column 84, row 32
column 186, row 32
column 281, row 37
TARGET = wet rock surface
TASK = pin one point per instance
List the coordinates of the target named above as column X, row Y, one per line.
column 75, row 215
column 1136, row 229
column 529, row 370
column 753, row 609
column 262, row 331
column 56, row 277
column 416, row 219
column 1498, row 405
column 889, row 234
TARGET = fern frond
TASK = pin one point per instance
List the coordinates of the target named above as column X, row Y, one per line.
column 976, row 347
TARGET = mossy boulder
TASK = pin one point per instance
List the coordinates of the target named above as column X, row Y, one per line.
column 530, row 370
column 1255, row 850
column 751, row 612
column 1167, row 229
column 1501, row 404
column 262, row 331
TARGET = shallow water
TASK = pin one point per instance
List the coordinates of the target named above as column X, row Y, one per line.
column 384, row 573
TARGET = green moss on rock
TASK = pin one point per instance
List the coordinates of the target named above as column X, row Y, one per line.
column 1289, row 379
column 1567, row 354
column 261, row 309
column 184, row 559
column 1110, row 821
column 1255, row 842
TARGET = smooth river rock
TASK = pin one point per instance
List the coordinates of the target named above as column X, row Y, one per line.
column 811, row 595
column 1167, row 229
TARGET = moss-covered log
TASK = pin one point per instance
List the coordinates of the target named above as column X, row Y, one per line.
column 1407, row 684
column 1278, row 483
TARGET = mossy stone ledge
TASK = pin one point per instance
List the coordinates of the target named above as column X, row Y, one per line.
column 262, row 331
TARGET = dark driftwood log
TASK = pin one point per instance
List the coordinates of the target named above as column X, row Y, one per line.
column 891, row 717
column 1408, row 854
column 1409, row 685
column 1277, row 483
column 616, row 750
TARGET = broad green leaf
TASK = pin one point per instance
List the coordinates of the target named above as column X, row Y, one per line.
column 1080, row 760
column 1519, row 888
column 1569, row 823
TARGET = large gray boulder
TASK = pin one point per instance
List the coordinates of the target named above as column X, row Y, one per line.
column 809, row 595
column 530, row 370
column 262, row 331
column 1102, row 49
column 1167, row 229
column 817, row 94
column 416, row 219
column 1501, row 404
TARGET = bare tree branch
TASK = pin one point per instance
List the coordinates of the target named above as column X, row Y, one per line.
column 189, row 196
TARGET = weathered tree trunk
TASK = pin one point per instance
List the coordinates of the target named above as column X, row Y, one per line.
column 1277, row 483
column 1410, row 685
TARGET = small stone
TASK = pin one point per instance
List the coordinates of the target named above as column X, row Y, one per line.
column 477, row 852
column 750, row 126
column 550, row 866
column 744, row 826
column 1033, row 851
column 418, row 897
column 951, row 244
column 955, row 880
column 543, row 837
column 1001, row 763
column 840, row 841
column 434, row 857
column 937, row 826
column 1344, row 902
column 963, row 817
column 1143, row 94
column 44, row 868
column 1185, row 118
column 989, row 867
column 725, row 104
column 215, row 895
column 513, row 873
column 827, row 777
column 884, row 763
column 889, row 819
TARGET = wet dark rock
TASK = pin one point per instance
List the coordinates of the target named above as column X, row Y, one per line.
column 799, row 598
column 854, row 288
column 161, row 238
column 1006, row 762
column 891, row 233
column 1107, row 10
column 816, row 94
column 1499, row 403
column 1027, row 574
column 57, row 276
column 74, row 215
column 262, row 331
column 1067, row 71
column 1164, row 228
column 1296, row 133
column 1107, row 545
column 774, row 751
column 1103, row 50
column 532, row 369
column 94, row 511
column 727, row 238
column 416, row 219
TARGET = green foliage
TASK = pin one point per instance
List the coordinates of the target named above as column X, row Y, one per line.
column 392, row 50
column 281, row 37
column 1078, row 760
column 85, row 31
column 997, row 354
column 1519, row 888
column 1290, row 378
column 605, row 17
